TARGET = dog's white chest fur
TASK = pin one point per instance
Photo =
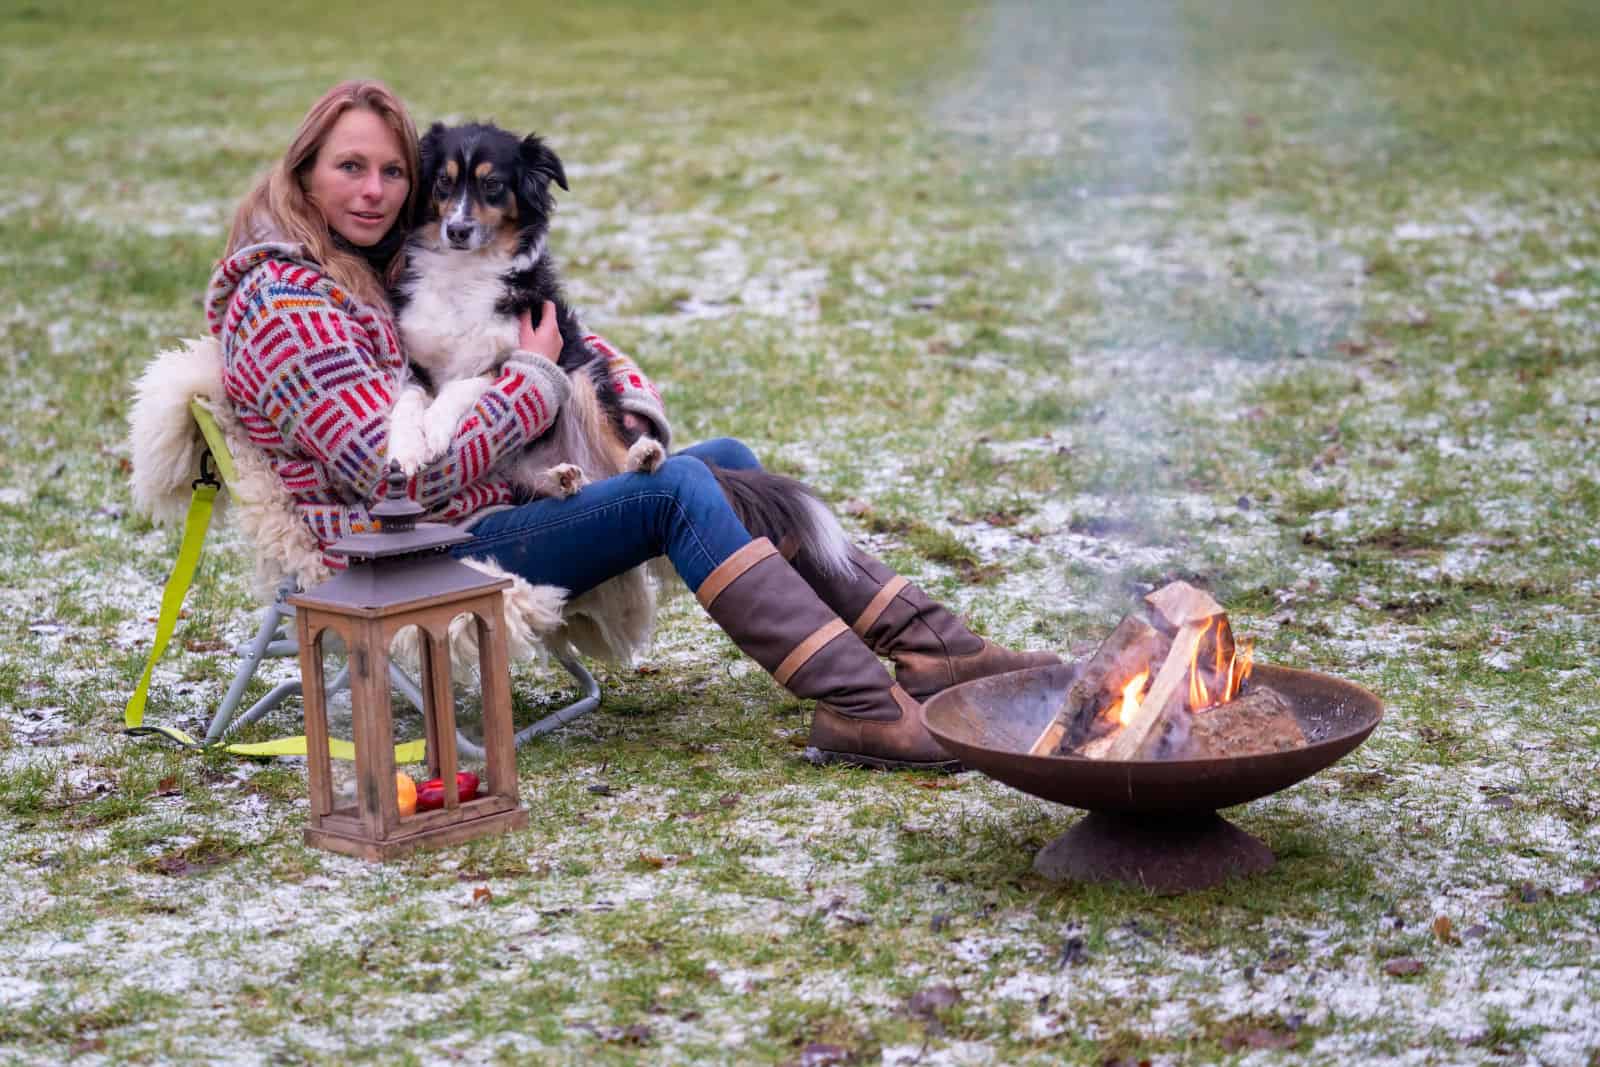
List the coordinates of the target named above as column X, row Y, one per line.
column 449, row 325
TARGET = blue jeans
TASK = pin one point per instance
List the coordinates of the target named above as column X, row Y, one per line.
column 616, row 524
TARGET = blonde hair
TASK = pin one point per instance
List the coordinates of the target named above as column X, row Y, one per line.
column 278, row 206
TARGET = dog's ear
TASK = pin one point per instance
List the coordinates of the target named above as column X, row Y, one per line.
column 430, row 157
column 430, row 150
column 540, row 167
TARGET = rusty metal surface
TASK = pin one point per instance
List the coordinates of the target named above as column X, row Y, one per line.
column 1161, row 855
column 991, row 722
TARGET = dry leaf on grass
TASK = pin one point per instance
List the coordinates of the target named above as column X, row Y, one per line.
column 1259, row 1037
column 818, row 1054
column 929, row 1002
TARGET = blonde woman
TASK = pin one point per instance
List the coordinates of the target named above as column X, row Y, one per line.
column 312, row 365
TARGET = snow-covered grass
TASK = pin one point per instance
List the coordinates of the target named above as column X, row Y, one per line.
column 1051, row 301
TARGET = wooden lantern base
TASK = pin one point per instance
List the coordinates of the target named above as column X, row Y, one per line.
column 341, row 830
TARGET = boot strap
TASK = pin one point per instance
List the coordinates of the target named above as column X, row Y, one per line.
column 731, row 568
column 806, row 649
column 879, row 604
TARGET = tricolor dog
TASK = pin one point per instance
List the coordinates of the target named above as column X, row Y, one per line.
column 476, row 258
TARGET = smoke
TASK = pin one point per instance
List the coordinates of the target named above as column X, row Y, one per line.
column 1106, row 137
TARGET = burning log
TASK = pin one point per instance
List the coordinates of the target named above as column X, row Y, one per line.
column 1127, row 650
column 1191, row 709
column 1257, row 723
column 1170, row 690
column 1190, row 611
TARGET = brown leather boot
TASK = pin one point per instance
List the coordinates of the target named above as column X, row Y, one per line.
column 931, row 648
column 862, row 715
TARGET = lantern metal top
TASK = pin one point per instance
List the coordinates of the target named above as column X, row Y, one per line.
column 401, row 567
column 399, row 532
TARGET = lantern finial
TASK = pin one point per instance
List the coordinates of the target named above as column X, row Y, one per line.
column 397, row 512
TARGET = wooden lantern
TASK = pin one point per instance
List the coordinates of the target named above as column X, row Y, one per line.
column 402, row 576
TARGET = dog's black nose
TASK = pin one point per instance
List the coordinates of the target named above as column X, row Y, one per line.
column 458, row 233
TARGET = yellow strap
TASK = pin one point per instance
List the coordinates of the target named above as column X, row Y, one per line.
column 194, row 536
column 405, row 752
column 214, row 440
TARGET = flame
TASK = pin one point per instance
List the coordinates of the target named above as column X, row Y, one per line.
column 1219, row 681
column 1199, row 697
column 1238, row 669
column 1128, row 703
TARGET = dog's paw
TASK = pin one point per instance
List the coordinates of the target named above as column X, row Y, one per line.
column 437, row 436
column 408, row 446
column 646, row 455
column 562, row 480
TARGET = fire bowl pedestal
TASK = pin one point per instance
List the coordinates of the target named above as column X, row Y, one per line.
column 1152, row 823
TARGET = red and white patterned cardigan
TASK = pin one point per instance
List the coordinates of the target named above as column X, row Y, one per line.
column 313, row 374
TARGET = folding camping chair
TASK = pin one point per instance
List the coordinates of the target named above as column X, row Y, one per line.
column 275, row 639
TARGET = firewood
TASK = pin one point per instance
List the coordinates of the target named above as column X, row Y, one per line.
column 1170, row 687
column 1127, row 650
column 1177, row 603
column 1257, row 723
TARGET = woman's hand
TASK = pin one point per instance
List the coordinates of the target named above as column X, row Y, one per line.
column 546, row 340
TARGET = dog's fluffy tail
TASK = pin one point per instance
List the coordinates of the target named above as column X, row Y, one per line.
column 775, row 507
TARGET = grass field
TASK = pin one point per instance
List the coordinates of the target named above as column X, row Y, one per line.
column 1052, row 300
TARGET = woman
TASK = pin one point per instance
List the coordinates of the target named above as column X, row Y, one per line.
column 312, row 366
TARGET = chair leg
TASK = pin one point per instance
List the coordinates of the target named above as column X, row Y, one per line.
column 269, row 642
column 249, row 662
column 587, row 702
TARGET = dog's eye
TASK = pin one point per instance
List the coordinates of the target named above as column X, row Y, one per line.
column 442, row 186
column 492, row 187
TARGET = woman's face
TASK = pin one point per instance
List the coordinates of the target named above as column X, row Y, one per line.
column 358, row 179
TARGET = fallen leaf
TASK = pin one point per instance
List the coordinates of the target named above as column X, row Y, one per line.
column 1445, row 930
column 1072, row 953
column 482, row 895
column 1259, row 1037
column 1404, row 967
column 602, row 790
column 939, row 783
column 205, row 644
column 1278, row 961
column 818, row 1054
column 636, row 1034
column 168, row 787
column 929, row 1002
column 652, row 861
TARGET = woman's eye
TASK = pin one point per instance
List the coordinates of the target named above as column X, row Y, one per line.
column 397, row 173
column 350, row 166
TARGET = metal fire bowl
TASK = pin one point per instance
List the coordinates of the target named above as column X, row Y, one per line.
column 1154, row 821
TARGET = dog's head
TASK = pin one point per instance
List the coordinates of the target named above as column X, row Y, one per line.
column 482, row 186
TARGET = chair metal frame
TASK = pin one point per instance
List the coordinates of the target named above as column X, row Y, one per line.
column 274, row 639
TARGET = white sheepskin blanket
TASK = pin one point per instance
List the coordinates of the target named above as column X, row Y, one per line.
column 612, row 622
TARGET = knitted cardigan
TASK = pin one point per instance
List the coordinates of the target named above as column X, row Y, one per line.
column 313, row 373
